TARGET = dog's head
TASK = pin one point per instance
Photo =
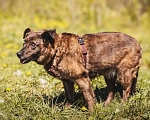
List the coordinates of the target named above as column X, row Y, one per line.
column 37, row 46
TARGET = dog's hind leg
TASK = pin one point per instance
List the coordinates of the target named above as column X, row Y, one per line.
column 110, row 79
column 133, row 87
column 126, row 79
column 69, row 92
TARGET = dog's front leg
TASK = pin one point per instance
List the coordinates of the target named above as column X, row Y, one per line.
column 69, row 92
column 85, row 86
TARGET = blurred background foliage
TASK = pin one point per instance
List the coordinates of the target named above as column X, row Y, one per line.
column 77, row 16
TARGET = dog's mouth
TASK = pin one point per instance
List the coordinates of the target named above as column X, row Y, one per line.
column 25, row 60
column 28, row 59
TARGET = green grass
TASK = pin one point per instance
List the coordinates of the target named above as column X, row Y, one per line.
column 28, row 92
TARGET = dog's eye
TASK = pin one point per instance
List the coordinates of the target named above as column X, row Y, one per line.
column 33, row 45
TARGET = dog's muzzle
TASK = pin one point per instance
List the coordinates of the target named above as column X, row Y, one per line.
column 23, row 59
column 18, row 54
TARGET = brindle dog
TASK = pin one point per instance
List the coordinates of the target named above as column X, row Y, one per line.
column 114, row 55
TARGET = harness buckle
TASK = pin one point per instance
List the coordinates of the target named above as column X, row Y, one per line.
column 81, row 41
column 84, row 53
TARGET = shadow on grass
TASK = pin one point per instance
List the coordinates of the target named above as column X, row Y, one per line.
column 100, row 94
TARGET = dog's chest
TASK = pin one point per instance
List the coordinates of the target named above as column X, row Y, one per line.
column 52, row 71
column 65, row 70
column 58, row 73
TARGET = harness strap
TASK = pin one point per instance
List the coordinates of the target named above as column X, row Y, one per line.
column 84, row 52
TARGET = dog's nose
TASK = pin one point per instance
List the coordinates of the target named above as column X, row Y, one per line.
column 18, row 54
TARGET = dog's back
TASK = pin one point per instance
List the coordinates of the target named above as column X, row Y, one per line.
column 111, row 50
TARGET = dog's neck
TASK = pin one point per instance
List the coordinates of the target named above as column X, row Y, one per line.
column 51, row 66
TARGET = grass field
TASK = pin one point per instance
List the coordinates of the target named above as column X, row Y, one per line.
column 28, row 92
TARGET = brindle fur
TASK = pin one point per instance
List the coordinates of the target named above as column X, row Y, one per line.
column 114, row 55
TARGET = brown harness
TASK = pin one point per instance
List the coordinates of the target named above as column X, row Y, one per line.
column 84, row 52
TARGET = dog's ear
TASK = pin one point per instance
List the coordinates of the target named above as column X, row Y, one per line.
column 52, row 33
column 26, row 31
column 49, row 35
